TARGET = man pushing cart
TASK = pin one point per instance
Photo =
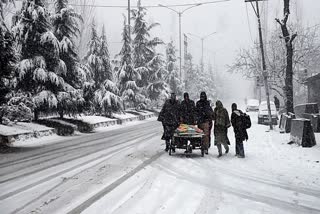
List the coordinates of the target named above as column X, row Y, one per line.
column 179, row 123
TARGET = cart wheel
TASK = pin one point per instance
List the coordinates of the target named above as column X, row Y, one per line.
column 202, row 152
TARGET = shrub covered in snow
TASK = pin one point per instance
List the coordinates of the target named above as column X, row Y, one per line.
column 63, row 128
column 18, row 112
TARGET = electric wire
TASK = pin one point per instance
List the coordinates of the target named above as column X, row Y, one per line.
column 149, row 6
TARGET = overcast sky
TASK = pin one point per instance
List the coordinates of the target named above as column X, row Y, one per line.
column 234, row 21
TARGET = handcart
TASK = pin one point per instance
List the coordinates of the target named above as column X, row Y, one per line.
column 187, row 141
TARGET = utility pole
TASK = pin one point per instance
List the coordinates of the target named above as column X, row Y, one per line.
column 264, row 67
column 180, row 47
column 129, row 18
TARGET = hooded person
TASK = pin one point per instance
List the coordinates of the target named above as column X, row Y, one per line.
column 187, row 110
column 204, row 116
column 169, row 116
column 239, row 129
column 221, row 125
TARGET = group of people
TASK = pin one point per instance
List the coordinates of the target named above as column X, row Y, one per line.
column 201, row 113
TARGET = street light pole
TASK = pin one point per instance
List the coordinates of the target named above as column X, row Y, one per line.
column 180, row 13
column 264, row 67
column 202, row 45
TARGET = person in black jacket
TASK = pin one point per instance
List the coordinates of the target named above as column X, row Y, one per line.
column 187, row 110
column 239, row 129
column 204, row 116
column 276, row 102
column 169, row 116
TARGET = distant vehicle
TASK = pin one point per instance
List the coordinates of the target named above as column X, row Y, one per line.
column 263, row 115
column 252, row 105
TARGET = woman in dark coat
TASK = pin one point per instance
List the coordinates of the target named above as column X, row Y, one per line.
column 221, row 125
column 169, row 116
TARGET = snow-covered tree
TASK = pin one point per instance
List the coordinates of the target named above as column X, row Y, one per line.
column 7, row 55
column 128, row 75
column 40, row 68
column 143, row 44
column 106, row 98
column 173, row 75
column 65, row 23
column 93, row 58
column 157, row 86
column 105, row 56
column 103, row 93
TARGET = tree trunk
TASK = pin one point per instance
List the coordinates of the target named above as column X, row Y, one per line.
column 36, row 115
column 289, row 47
column 289, row 79
column 61, row 114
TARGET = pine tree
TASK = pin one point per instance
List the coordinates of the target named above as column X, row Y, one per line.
column 143, row 44
column 106, row 98
column 93, row 59
column 173, row 76
column 157, row 86
column 128, row 75
column 40, row 68
column 8, row 56
column 66, row 29
column 102, row 94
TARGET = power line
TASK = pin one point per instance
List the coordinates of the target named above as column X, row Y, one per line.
column 147, row 6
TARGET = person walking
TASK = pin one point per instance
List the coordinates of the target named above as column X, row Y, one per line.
column 204, row 116
column 169, row 116
column 220, row 129
column 276, row 102
column 239, row 128
column 187, row 110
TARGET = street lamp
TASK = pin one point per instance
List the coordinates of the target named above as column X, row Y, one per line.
column 202, row 41
column 180, row 15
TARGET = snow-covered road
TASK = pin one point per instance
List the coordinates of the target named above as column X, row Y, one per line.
column 126, row 171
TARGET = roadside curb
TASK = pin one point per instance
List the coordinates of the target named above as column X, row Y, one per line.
column 22, row 135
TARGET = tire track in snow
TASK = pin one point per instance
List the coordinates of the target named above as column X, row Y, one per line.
column 251, row 176
column 178, row 173
column 93, row 148
column 48, row 178
column 114, row 185
column 110, row 155
column 76, row 142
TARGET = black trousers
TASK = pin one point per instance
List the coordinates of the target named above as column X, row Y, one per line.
column 239, row 147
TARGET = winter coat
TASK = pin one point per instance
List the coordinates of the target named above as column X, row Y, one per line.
column 188, row 112
column 169, row 114
column 238, row 125
column 221, row 116
column 221, row 125
column 204, row 111
column 277, row 103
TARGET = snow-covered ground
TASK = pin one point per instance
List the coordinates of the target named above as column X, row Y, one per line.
column 124, row 170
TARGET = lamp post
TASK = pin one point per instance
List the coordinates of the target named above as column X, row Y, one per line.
column 180, row 17
column 202, row 41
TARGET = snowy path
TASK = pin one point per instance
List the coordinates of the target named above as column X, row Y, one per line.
column 113, row 172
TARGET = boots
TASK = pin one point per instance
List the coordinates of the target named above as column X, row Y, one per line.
column 167, row 145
